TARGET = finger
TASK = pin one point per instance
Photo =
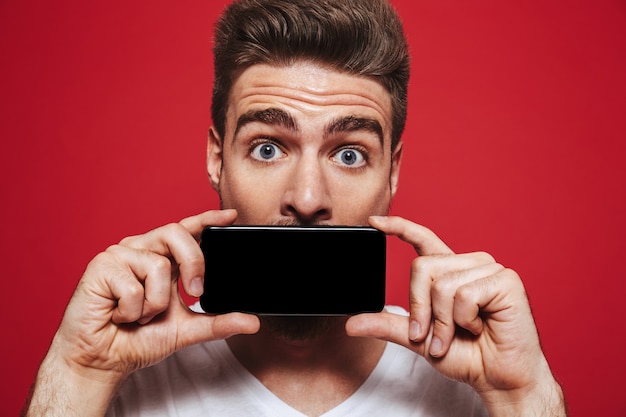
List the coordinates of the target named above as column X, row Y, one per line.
column 425, row 242
column 423, row 239
column 424, row 271
column 194, row 284
column 175, row 242
column 140, row 282
column 495, row 295
column 180, row 242
column 420, row 298
column 195, row 224
column 444, row 294
column 386, row 326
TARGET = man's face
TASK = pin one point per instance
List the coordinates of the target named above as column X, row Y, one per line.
column 305, row 145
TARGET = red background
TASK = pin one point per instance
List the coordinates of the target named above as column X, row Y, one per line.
column 515, row 145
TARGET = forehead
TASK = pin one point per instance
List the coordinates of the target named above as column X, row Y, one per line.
column 309, row 90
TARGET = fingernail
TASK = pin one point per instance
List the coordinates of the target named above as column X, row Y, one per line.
column 415, row 329
column 196, row 287
column 435, row 347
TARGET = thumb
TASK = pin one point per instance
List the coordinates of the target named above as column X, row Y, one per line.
column 201, row 327
column 385, row 326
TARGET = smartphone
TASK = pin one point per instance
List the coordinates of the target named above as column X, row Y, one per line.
column 297, row 271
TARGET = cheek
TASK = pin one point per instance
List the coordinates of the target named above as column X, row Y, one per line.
column 235, row 192
column 255, row 197
column 364, row 197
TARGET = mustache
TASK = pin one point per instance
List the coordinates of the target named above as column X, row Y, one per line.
column 296, row 222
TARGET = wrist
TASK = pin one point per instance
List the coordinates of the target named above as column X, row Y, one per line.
column 543, row 399
column 64, row 388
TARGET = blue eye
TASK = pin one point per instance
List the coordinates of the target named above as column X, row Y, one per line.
column 266, row 152
column 349, row 157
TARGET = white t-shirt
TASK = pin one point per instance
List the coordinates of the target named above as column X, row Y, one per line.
column 207, row 380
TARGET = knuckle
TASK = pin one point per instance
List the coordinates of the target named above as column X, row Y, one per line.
column 195, row 261
column 487, row 257
column 499, row 266
column 443, row 287
column 512, row 274
column 111, row 250
column 418, row 301
column 156, row 305
column 105, row 259
column 441, row 322
column 465, row 294
column 159, row 263
column 430, row 263
column 173, row 229
column 514, row 279
column 133, row 290
column 419, row 263
column 424, row 264
column 128, row 241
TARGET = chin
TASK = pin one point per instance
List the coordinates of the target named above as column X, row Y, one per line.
column 298, row 328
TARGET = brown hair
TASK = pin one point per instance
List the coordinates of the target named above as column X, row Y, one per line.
column 361, row 37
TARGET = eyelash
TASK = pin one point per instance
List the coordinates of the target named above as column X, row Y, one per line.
column 261, row 141
column 361, row 149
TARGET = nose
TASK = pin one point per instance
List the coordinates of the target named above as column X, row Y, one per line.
column 307, row 199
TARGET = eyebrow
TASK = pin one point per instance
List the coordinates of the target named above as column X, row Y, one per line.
column 353, row 123
column 275, row 116
column 270, row 116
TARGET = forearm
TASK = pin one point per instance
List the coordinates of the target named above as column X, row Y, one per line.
column 543, row 400
column 61, row 391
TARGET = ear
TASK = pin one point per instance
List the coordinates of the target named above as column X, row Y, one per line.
column 394, row 175
column 214, row 158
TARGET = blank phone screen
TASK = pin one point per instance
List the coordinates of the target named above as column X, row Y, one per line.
column 282, row 270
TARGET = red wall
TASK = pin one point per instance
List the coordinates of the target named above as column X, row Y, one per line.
column 515, row 144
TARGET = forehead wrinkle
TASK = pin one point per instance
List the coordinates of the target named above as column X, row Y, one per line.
column 269, row 116
column 354, row 123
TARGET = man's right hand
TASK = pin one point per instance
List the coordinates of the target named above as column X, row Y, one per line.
column 126, row 314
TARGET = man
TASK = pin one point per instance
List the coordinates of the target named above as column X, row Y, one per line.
column 309, row 105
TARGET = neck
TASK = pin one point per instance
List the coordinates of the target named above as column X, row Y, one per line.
column 313, row 373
